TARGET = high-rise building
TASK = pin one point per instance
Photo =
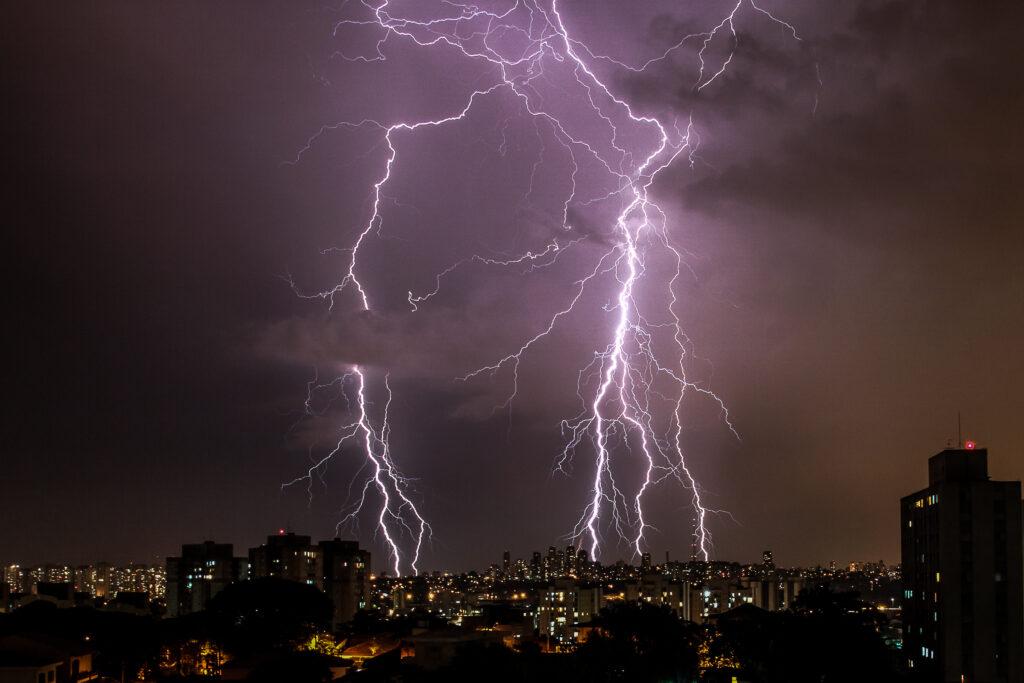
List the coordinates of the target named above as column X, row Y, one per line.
column 343, row 572
column 339, row 568
column 536, row 566
column 202, row 571
column 583, row 564
column 284, row 556
column 563, row 606
column 962, row 576
column 106, row 581
column 13, row 576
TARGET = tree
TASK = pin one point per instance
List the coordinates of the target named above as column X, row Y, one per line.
column 639, row 642
column 266, row 614
column 826, row 637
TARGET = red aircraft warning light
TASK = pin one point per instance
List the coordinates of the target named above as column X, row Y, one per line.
column 970, row 445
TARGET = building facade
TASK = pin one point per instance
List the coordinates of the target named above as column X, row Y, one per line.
column 202, row 571
column 963, row 599
column 563, row 607
column 284, row 556
column 343, row 573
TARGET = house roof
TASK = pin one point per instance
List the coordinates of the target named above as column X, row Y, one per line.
column 22, row 660
column 43, row 645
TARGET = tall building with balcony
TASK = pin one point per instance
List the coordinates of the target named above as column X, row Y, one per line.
column 963, row 607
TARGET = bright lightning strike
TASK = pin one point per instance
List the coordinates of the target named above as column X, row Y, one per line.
column 632, row 391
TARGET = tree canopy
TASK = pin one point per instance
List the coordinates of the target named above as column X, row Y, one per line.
column 269, row 613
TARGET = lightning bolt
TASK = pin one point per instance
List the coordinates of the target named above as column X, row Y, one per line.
column 633, row 389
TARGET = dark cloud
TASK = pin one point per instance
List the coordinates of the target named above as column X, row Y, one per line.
column 852, row 276
column 442, row 344
column 871, row 255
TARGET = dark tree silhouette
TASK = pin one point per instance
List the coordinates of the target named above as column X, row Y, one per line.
column 639, row 642
column 265, row 614
column 123, row 641
column 826, row 637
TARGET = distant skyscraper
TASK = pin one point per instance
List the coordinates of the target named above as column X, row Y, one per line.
column 202, row 571
column 961, row 547
column 14, row 577
column 583, row 564
column 103, row 581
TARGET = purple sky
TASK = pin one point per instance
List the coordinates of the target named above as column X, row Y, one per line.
column 853, row 251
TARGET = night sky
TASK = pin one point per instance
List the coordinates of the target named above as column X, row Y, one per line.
column 853, row 249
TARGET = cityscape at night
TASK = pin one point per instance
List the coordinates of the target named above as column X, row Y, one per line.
column 552, row 600
column 291, row 609
column 513, row 340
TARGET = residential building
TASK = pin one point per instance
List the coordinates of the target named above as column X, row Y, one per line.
column 343, row 573
column 962, row 577
column 202, row 571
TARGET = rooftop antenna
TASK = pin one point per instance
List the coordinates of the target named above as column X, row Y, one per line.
column 959, row 436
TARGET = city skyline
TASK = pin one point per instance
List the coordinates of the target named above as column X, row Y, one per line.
column 843, row 562
column 554, row 562
column 853, row 245
column 556, row 605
